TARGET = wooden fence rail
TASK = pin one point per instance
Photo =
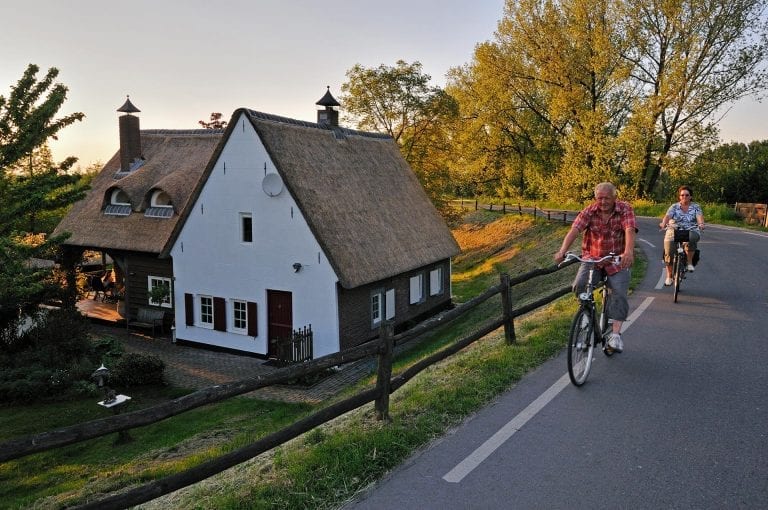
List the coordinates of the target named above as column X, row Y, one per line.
column 505, row 208
column 385, row 385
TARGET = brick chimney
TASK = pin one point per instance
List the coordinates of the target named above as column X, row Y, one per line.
column 130, row 136
column 329, row 116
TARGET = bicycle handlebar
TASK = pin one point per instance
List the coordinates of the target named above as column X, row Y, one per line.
column 610, row 257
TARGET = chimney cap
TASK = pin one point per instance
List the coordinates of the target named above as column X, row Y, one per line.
column 128, row 107
column 328, row 100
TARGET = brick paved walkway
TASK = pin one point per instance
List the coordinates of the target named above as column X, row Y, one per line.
column 196, row 368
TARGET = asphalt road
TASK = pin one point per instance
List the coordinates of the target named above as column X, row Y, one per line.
column 678, row 420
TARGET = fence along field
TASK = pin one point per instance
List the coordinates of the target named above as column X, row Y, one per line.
column 383, row 348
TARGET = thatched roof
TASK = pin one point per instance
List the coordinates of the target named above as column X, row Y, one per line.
column 174, row 162
column 362, row 201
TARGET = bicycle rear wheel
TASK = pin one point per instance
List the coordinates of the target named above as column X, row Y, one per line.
column 581, row 346
column 677, row 272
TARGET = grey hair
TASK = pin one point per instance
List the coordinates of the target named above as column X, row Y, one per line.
column 607, row 186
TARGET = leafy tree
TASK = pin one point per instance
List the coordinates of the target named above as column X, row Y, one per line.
column 689, row 58
column 215, row 123
column 27, row 121
column 571, row 92
column 399, row 101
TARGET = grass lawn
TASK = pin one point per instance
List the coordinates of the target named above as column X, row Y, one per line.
column 329, row 465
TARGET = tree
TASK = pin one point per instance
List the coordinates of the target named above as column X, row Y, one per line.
column 215, row 122
column 572, row 92
column 689, row 58
column 27, row 121
column 399, row 101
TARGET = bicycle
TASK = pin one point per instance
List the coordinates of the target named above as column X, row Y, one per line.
column 679, row 259
column 589, row 327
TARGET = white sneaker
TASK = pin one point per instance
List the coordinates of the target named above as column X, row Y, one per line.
column 668, row 282
column 690, row 268
column 615, row 342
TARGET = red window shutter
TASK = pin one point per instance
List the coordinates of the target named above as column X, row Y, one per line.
column 189, row 309
column 253, row 329
column 219, row 314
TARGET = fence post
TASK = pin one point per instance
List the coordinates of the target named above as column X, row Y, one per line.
column 506, row 305
column 475, row 204
column 384, row 373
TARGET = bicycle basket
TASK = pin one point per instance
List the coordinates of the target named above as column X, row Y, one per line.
column 682, row 236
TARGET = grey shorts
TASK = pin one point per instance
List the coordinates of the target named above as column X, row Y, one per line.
column 618, row 288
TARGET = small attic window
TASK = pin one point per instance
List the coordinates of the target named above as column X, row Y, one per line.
column 160, row 205
column 119, row 197
column 119, row 204
column 160, row 199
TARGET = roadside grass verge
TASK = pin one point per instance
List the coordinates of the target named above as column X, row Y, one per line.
column 332, row 463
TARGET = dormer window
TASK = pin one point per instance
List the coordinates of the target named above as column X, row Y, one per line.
column 160, row 205
column 119, row 203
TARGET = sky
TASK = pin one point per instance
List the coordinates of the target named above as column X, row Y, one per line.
column 181, row 60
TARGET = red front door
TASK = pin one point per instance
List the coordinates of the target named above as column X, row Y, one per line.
column 279, row 316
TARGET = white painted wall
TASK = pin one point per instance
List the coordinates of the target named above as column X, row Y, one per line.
column 210, row 259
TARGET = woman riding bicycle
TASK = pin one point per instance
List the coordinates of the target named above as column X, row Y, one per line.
column 609, row 227
column 686, row 215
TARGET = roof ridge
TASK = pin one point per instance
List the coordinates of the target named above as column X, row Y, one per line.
column 305, row 123
column 182, row 131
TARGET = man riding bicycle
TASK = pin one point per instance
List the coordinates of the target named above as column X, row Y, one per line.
column 609, row 227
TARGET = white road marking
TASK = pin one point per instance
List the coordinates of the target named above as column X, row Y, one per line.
column 663, row 277
column 648, row 242
column 475, row 458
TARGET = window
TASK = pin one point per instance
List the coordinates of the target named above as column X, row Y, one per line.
column 239, row 316
column 160, row 292
column 376, row 308
column 436, row 281
column 390, row 304
column 246, row 228
column 160, row 205
column 417, row 289
column 119, row 203
column 206, row 311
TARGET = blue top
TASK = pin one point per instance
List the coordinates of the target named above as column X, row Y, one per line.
column 686, row 220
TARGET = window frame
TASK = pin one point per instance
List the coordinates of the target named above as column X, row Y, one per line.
column 246, row 235
column 438, row 271
column 205, row 303
column 415, row 298
column 376, row 308
column 151, row 284
column 236, row 303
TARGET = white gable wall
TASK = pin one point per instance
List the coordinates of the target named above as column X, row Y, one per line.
column 209, row 257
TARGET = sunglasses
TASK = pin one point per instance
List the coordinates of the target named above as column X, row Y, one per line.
column 685, row 194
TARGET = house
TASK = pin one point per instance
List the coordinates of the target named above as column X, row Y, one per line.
column 287, row 225
column 135, row 204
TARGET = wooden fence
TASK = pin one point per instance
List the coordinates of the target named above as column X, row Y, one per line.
column 503, row 207
column 382, row 347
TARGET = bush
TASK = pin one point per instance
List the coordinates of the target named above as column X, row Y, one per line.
column 48, row 358
column 134, row 369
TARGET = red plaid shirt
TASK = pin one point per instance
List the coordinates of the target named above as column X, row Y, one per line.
column 604, row 237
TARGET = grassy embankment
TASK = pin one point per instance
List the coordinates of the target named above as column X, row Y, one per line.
column 330, row 464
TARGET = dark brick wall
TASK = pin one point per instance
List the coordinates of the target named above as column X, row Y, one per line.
column 355, row 304
column 138, row 268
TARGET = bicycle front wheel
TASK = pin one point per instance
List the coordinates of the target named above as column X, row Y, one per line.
column 677, row 271
column 581, row 346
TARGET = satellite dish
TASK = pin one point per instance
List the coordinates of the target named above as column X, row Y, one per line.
column 272, row 185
